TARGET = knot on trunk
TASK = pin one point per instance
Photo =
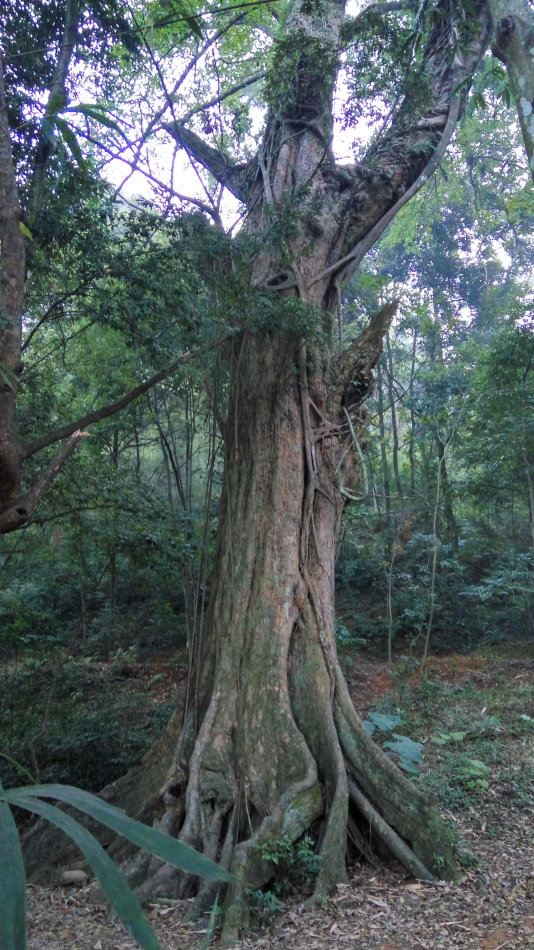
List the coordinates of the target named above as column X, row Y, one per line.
column 505, row 34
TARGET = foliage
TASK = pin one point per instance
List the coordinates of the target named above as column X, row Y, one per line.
column 458, row 781
column 51, row 719
column 455, row 399
column 295, row 865
column 406, row 751
column 385, row 722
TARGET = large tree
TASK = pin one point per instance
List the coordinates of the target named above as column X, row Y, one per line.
column 270, row 744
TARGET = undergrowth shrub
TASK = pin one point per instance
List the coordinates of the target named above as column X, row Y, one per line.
column 296, row 864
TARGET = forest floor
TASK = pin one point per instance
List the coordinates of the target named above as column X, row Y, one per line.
column 473, row 718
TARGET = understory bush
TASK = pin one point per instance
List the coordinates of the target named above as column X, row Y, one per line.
column 295, row 866
column 70, row 721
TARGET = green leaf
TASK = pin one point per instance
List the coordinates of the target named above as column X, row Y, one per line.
column 71, row 142
column 445, row 737
column 150, row 839
column 188, row 18
column 476, row 767
column 113, row 884
column 12, row 883
column 211, row 924
column 22, row 768
column 98, row 114
column 408, row 752
column 192, row 23
column 25, row 230
column 381, row 721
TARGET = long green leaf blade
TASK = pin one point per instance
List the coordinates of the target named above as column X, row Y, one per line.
column 113, row 884
column 71, row 141
column 98, row 114
column 12, row 883
column 162, row 846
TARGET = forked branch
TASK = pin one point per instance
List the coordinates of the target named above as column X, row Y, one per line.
column 17, row 516
column 238, row 179
column 353, row 25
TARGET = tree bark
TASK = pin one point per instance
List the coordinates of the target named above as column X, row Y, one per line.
column 270, row 735
column 12, row 269
column 383, row 451
column 451, row 524
column 411, row 392
column 513, row 44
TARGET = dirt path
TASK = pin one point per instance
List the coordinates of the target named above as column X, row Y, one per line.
column 483, row 698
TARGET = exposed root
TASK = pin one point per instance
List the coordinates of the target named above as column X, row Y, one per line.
column 388, row 836
column 402, row 806
column 298, row 808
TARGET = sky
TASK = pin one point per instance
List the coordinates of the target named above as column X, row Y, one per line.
column 184, row 179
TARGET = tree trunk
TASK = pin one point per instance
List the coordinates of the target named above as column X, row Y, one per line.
column 394, row 425
column 270, row 737
column 451, row 524
column 513, row 44
column 12, row 267
column 436, row 353
column 383, row 453
column 411, row 392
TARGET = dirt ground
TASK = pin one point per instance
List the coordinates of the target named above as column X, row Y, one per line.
column 491, row 908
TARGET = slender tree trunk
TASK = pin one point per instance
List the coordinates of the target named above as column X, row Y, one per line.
column 411, row 391
column 383, row 450
column 530, row 484
column 449, row 515
column 445, row 490
column 394, row 425
column 12, row 269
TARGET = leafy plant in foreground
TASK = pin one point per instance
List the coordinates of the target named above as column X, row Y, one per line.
column 12, row 875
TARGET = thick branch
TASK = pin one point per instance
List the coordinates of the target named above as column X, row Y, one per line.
column 113, row 408
column 17, row 516
column 237, row 179
column 513, row 44
column 348, row 264
column 404, row 157
column 366, row 349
